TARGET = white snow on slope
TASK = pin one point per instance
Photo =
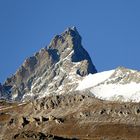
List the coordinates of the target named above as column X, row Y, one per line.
column 94, row 79
column 118, row 92
column 129, row 92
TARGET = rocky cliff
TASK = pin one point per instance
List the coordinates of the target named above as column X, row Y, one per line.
column 55, row 69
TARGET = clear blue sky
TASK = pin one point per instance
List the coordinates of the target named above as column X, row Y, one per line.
column 110, row 30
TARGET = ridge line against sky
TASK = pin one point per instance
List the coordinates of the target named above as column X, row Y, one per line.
column 110, row 30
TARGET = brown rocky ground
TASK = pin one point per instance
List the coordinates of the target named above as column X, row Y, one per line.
column 71, row 116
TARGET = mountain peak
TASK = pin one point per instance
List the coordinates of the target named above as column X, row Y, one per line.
column 70, row 42
column 69, row 36
column 72, row 31
column 53, row 70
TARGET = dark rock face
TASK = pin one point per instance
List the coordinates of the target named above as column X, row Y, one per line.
column 4, row 94
column 50, row 69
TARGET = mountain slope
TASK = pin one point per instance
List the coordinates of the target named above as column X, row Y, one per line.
column 55, row 69
column 121, row 84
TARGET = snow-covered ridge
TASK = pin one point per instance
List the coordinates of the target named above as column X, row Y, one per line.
column 118, row 92
column 92, row 80
column 102, row 85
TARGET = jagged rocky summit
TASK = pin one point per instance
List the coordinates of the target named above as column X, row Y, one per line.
column 55, row 69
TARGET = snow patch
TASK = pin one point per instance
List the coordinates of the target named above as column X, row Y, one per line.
column 129, row 92
column 94, row 79
column 118, row 92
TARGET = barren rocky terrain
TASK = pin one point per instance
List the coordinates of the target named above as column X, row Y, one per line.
column 73, row 116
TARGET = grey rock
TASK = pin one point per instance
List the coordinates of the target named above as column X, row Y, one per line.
column 55, row 69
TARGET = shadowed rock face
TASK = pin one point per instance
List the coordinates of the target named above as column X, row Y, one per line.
column 50, row 69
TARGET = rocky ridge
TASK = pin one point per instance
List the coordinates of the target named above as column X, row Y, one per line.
column 55, row 69
column 123, row 76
